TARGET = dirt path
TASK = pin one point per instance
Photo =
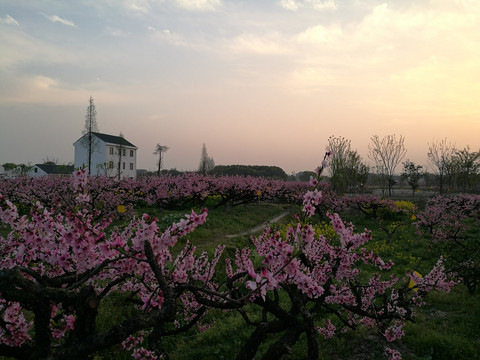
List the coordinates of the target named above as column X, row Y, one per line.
column 259, row 227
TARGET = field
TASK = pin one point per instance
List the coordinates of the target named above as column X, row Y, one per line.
column 447, row 326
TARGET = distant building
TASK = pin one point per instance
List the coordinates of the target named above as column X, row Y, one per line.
column 11, row 170
column 50, row 169
column 112, row 156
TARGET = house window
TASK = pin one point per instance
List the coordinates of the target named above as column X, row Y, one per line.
column 111, row 150
column 131, row 166
column 123, row 166
column 36, row 170
column 124, row 152
column 131, row 153
column 110, row 163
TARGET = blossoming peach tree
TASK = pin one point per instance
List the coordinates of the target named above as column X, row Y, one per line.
column 57, row 265
column 450, row 222
column 309, row 284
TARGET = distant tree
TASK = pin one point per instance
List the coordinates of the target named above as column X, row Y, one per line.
column 271, row 172
column 206, row 162
column 306, row 175
column 386, row 154
column 440, row 155
column 467, row 165
column 346, row 168
column 159, row 150
column 412, row 173
column 89, row 141
column 340, row 149
column 363, row 173
column 9, row 166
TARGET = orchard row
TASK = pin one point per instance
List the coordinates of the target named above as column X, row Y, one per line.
column 168, row 191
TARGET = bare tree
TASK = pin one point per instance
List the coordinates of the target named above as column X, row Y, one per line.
column 206, row 162
column 440, row 154
column 50, row 160
column 159, row 150
column 106, row 169
column 387, row 153
column 90, row 142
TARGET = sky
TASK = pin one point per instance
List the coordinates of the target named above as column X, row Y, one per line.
column 258, row 82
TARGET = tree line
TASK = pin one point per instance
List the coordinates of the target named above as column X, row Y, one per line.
column 454, row 169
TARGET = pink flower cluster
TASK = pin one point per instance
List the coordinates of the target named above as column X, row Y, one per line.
column 15, row 329
column 310, row 200
column 328, row 331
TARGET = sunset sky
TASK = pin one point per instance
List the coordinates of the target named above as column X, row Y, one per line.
column 259, row 82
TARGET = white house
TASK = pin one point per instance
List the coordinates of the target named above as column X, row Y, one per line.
column 112, row 156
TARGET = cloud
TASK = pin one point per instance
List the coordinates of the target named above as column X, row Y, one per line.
column 166, row 36
column 9, row 20
column 307, row 79
column 141, row 6
column 55, row 18
column 254, row 44
column 44, row 83
column 290, row 5
column 321, row 34
column 320, row 5
column 199, row 5
column 116, row 32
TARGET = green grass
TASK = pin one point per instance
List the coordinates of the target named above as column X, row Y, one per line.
column 223, row 221
column 447, row 328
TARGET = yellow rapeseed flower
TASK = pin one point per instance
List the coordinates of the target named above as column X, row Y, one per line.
column 411, row 283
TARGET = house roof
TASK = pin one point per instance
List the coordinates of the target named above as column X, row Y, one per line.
column 112, row 139
column 56, row 169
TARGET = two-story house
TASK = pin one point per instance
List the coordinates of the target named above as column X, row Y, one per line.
column 111, row 155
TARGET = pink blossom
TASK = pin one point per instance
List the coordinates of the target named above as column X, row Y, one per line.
column 328, row 331
column 392, row 354
column 394, row 332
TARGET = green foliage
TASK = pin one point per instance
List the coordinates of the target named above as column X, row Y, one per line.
column 412, row 173
column 306, row 175
column 9, row 166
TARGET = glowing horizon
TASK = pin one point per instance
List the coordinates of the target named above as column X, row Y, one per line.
column 260, row 83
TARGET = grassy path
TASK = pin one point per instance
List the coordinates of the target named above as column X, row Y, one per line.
column 260, row 227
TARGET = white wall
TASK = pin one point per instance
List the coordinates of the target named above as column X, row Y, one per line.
column 39, row 172
column 127, row 160
column 98, row 157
